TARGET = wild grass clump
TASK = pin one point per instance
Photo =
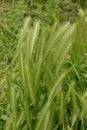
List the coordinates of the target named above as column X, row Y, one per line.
column 43, row 92
column 40, row 53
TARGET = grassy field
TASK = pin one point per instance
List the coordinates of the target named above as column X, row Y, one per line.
column 43, row 65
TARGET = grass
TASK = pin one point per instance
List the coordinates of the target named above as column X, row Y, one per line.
column 10, row 22
column 31, row 60
column 39, row 76
column 44, row 85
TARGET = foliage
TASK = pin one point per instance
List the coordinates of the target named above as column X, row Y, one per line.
column 10, row 22
column 45, row 85
column 47, row 101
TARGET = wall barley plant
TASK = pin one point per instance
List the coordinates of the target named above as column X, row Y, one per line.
column 41, row 72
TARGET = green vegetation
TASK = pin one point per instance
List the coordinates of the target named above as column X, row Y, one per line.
column 43, row 65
